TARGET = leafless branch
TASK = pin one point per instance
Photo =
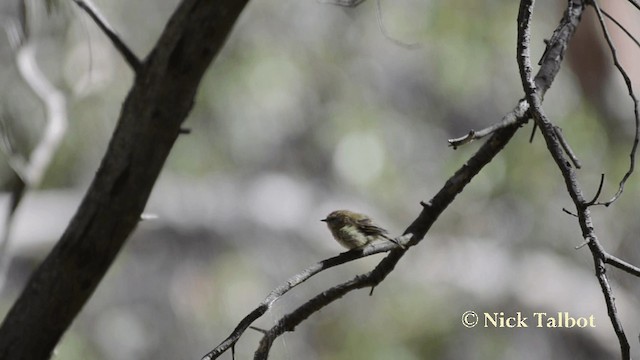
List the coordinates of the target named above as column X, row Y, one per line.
column 621, row 264
column 635, row 3
column 553, row 145
column 598, row 192
column 102, row 23
column 294, row 281
column 533, row 131
column 506, row 121
column 566, row 147
column 630, row 35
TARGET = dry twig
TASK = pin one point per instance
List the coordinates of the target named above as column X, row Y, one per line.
column 108, row 30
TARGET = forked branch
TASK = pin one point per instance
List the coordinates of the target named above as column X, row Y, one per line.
column 600, row 257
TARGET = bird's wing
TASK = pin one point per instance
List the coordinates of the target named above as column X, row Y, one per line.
column 369, row 228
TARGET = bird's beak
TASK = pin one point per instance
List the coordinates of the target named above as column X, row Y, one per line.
column 325, row 220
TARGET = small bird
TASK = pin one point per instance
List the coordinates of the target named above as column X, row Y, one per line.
column 353, row 230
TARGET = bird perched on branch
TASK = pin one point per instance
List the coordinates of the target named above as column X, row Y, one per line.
column 353, row 230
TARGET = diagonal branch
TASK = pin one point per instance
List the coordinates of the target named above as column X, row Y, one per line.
column 108, row 30
column 294, row 281
column 159, row 101
column 635, row 3
column 566, row 147
column 621, row 264
column 476, row 135
column 621, row 27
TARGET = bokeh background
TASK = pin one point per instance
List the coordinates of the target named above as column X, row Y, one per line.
column 310, row 108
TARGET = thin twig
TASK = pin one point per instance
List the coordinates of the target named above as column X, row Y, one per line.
column 102, row 23
column 463, row 140
column 506, row 121
column 584, row 243
column 636, row 111
column 622, row 265
column 635, row 3
column 630, row 35
column 597, row 195
column 567, row 148
column 533, row 132
column 263, row 331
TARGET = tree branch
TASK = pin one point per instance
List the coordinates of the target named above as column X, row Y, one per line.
column 555, row 148
column 159, row 101
column 476, row 135
column 621, row 27
column 294, row 281
column 102, row 23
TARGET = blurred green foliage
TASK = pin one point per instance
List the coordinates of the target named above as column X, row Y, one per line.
column 311, row 108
